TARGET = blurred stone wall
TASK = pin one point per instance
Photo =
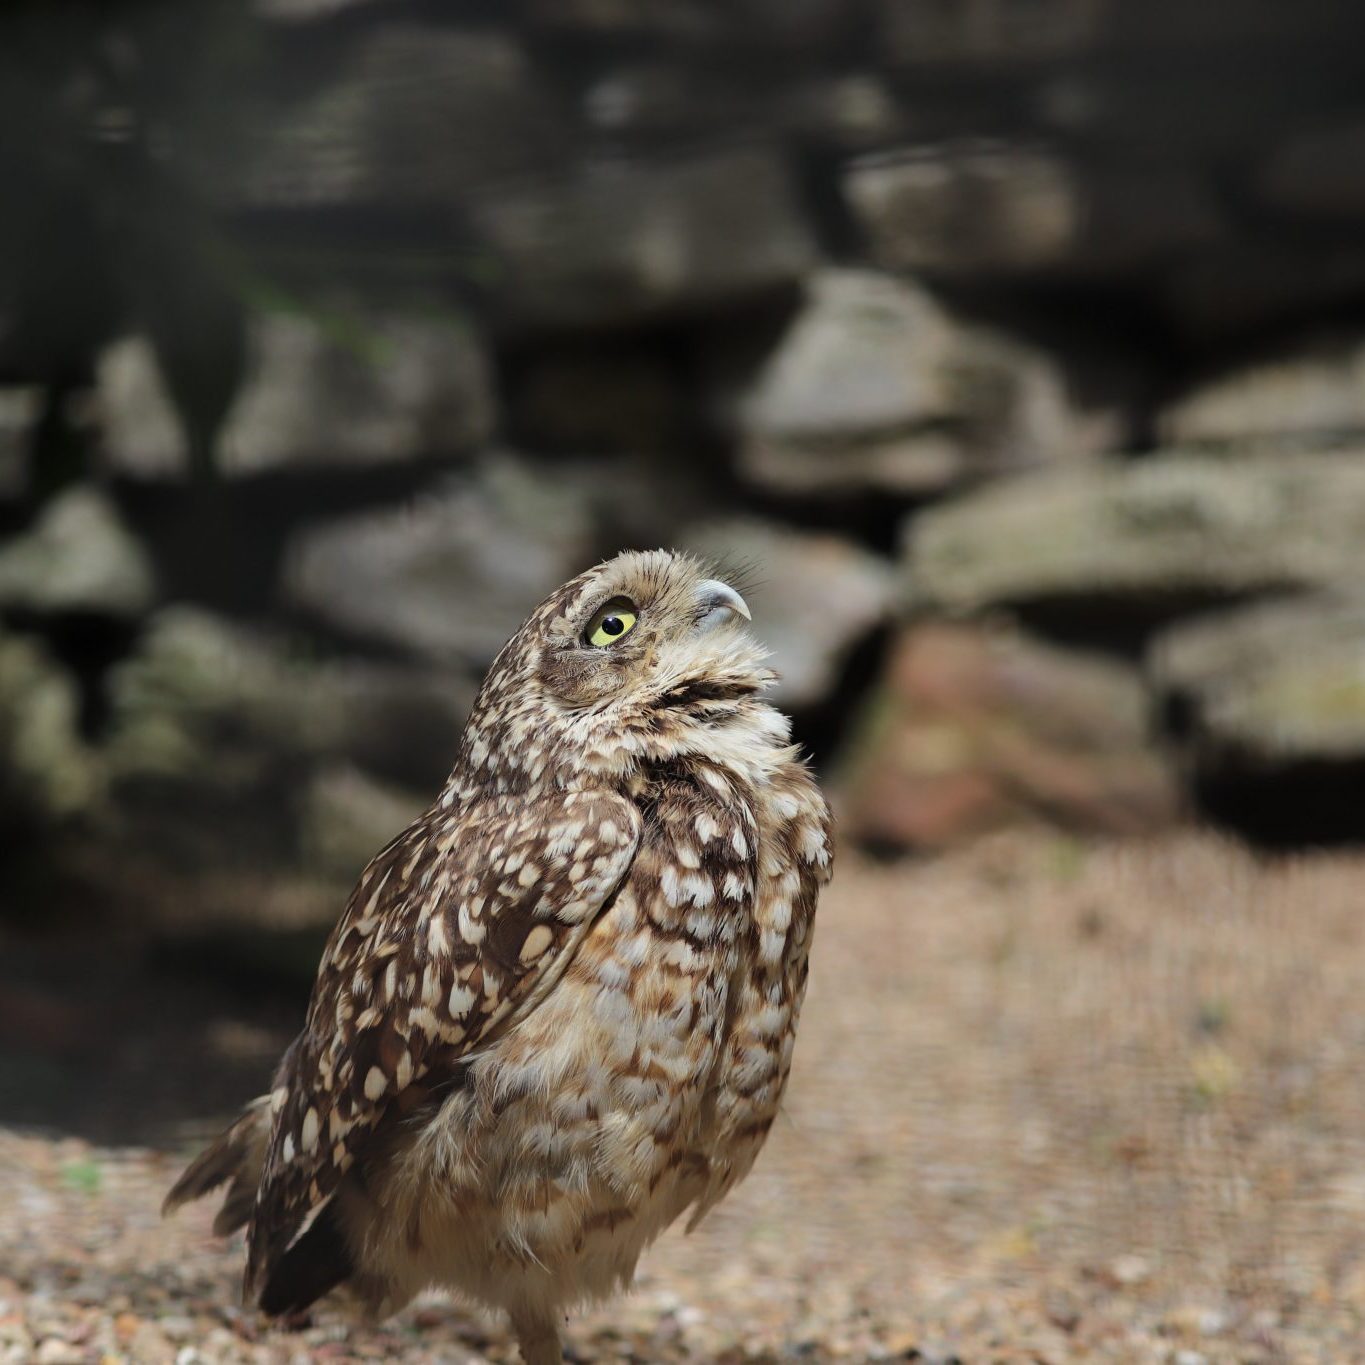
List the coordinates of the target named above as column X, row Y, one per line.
column 1014, row 348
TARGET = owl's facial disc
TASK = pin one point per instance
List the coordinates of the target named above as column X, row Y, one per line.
column 643, row 629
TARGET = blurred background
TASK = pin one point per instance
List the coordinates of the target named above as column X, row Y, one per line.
column 1016, row 348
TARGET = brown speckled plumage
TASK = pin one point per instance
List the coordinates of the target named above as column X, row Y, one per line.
column 559, row 1010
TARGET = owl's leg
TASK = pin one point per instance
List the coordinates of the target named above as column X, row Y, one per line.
column 538, row 1338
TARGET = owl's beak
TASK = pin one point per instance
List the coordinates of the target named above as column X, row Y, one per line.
column 717, row 602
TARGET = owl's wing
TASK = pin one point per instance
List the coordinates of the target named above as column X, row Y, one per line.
column 456, row 930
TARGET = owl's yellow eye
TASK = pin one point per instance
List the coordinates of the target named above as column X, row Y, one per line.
column 612, row 622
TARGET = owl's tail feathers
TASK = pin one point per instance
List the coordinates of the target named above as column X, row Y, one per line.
column 236, row 1156
column 317, row 1263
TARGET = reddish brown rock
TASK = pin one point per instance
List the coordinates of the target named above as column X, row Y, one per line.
column 974, row 728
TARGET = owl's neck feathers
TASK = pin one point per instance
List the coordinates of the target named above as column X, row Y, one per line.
column 520, row 742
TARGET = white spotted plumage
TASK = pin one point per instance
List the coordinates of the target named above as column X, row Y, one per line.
column 559, row 1010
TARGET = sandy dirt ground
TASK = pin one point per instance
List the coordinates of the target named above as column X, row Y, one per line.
column 1051, row 1103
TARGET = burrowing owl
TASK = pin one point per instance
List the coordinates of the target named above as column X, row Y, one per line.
column 559, row 1010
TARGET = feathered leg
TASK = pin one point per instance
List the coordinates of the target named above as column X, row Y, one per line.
column 538, row 1338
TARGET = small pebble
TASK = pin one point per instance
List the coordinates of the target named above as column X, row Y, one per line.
column 55, row 1352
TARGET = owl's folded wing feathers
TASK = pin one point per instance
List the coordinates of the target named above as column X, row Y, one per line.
column 455, row 931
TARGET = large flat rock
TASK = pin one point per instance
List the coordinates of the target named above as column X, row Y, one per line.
column 210, row 702
column 77, row 557
column 619, row 240
column 876, row 387
column 1128, row 535
column 48, row 772
column 979, row 208
column 971, row 729
column 1310, row 394
column 452, row 575
column 338, row 387
column 966, row 208
column 399, row 120
column 1272, row 684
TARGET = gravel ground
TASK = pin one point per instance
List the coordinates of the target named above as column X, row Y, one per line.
column 1051, row 1103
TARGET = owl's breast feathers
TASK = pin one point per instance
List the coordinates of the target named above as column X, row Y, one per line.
column 793, row 859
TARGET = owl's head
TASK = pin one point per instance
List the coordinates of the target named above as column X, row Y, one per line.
column 622, row 663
